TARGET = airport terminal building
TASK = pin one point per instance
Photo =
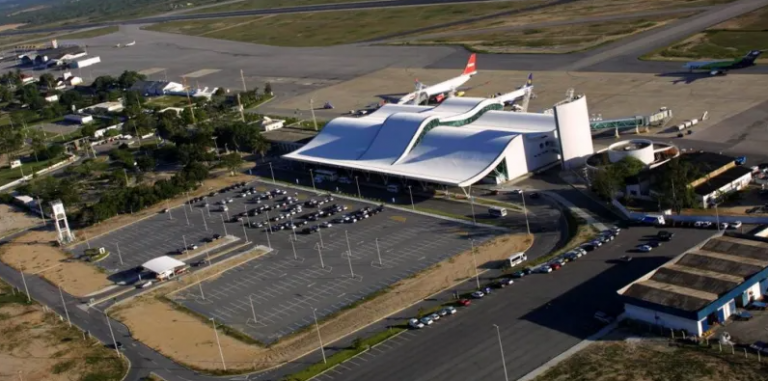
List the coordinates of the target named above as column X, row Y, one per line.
column 460, row 142
column 702, row 287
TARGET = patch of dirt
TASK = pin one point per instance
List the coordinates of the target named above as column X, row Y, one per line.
column 189, row 340
column 36, row 252
column 10, row 27
column 40, row 347
column 13, row 218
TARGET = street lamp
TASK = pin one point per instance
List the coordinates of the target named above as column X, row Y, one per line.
column 525, row 212
column 272, row 172
column 224, row 364
column 501, row 349
column 474, row 260
column 217, row 147
column 312, row 177
column 319, row 338
column 413, row 207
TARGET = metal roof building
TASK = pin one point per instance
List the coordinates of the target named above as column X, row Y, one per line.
column 458, row 143
column 703, row 286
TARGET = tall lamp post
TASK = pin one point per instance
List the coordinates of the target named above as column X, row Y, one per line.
column 413, row 207
column 525, row 212
column 319, row 338
column 312, row 177
column 358, row 188
column 501, row 349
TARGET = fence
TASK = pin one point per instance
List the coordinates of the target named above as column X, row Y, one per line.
column 40, row 172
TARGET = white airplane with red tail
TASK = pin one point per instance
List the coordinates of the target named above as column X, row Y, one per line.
column 442, row 88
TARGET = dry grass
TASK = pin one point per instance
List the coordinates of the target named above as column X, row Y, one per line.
column 341, row 27
column 189, row 340
column 13, row 219
column 36, row 252
column 5, row 27
column 640, row 360
column 41, row 347
column 560, row 39
column 265, row 4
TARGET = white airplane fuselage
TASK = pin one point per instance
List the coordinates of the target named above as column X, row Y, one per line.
column 440, row 88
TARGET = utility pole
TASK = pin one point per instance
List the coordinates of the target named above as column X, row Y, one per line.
column 224, row 225
column 322, row 265
column 24, row 280
column 253, row 310
column 272, row 172
column 293, row 246
column 242, row 78
column 170, row 216
column 202, row 216
column 378, row 252
column 64, row 303
column 474, row 260
column 349, row 255
column 118, row 252
column 312, row 109
column 111, row 332
column 525, row 211
column 501, row 349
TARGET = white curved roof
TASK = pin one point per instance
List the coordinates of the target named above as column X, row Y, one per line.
column 163, row 264
column 409, row 141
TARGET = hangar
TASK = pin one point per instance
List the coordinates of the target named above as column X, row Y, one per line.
column 460, row 142
column 702, row 287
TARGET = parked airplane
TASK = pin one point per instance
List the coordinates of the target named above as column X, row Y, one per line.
column 449, row 86
column 131, row 43
column 722, row 66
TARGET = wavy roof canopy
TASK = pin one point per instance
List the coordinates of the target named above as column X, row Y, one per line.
column 424, row 143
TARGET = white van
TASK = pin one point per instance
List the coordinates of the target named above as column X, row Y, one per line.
column 516, row 259
column 497, row 211
column 393, row 188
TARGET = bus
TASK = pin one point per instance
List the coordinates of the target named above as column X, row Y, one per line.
column 516, row 259
column 497, row 211
column 325, row 175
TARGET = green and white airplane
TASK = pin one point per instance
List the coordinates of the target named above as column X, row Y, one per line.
column 722, row 66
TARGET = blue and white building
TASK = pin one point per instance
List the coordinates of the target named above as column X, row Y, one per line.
column 702, row 287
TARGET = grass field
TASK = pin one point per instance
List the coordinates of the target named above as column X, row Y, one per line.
column 560, row 39
column 654, row 360
column 337, row 27
column 23, row 39
column 730, row 39
column 91, row 33
column 267, row 4
column 7, row 174
column 168, row 101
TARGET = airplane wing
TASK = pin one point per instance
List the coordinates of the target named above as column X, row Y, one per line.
column 707, row 64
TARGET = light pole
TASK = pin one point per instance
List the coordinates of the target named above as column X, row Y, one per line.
column 202, row 217
column 224, row 225
column 272, row 172
column 320, row 233
column 184, row 238
column 322, row 265
column 119, row 256
column 185, row 215
column 312, row 177
column 717, row 216
column 24, row 280
column 378, row 252
column 358, row 188
column 199, row 283
column 111, row 332
column 170, row 216
column 413, row 207
column 525, row 212
column 349, row 255
column 474, row 260
column 208, row 209
column 293, row 246
column 224, row 364
column 66, row 311
column 472, row 205
column 319, row 338
column 501, row 349
column 253, row 310
column 217, row 147
column 245, row 234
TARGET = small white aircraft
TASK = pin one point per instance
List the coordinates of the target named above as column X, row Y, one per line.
column 441, row 88
column 131, row 43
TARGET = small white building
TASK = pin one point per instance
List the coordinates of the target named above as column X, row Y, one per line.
column 52, row 98
column 157, row 88
column 177, row 110
column 269, row 124
column 15, row 164
column 100, row 132
column 165, row 267
column 105, row 107
column 79, row 119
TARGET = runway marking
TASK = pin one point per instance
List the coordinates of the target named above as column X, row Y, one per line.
column 201, row 73
column 152, row 70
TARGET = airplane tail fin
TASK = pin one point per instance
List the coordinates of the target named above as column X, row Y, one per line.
column 470, row 69
column 418, row 85
column 752, row 56
column 529, row 82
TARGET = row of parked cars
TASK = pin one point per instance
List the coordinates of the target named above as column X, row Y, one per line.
column 431, row 318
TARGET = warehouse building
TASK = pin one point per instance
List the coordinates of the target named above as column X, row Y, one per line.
column 702, row 287
column 460, row 142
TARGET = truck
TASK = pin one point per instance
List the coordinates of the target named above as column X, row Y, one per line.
column 653, row 219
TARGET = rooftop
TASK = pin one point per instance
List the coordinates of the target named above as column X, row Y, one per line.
column 162, row 264
column 289, row 135
column 699, row 277
column 721, row 180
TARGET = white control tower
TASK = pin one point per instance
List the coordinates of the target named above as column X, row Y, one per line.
column 62, row 226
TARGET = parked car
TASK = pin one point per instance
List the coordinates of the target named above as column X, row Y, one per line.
column 518, row 274
column 644, row 248
column 465, row 302
column 544, row 269
column 415, row 323
column 426, row 320
column 435, row 317
column 478, row 294
column 555, row 265
column 625, row 258
column 664, row 235
column 450, row 310
column 734, row 225
column 506, row 281
column 653, row 244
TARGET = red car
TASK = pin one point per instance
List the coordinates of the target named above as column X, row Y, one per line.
column 555, row 266
column 465, row 302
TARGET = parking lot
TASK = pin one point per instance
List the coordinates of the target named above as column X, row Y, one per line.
column 307, row 269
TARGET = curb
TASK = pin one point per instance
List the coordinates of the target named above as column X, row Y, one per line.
column 530, row 376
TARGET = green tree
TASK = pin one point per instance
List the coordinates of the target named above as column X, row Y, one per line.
column 129, row 78
column 48, row 80
column 145, row 163
column 88, row 131
column 123, row 156
column 6, row 95
column 672, row 185
column 268, row 88
column 187, row 117
column 232, row 161
column 606, row 183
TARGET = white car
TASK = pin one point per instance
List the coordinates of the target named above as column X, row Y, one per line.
column 326, row 224
column 644, row 248
column 734, row 225
column 435, row 317
column 415, row 323
column 478, row 294
column 426, row 320
column 450, row 310
column 724, row 225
